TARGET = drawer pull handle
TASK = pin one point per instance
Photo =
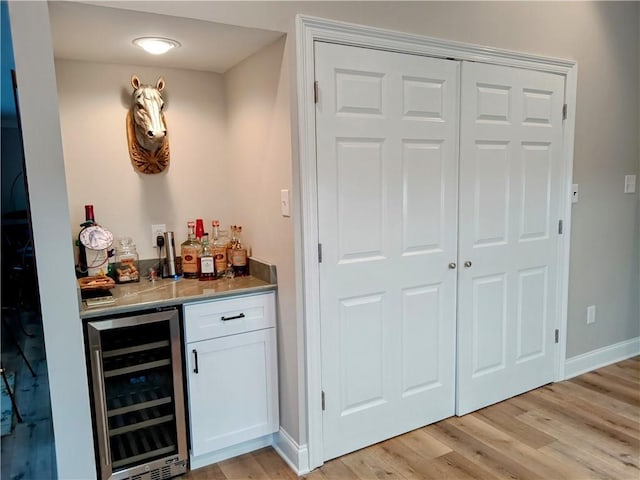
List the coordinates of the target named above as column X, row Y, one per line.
column 195, row 356
column 224, row 319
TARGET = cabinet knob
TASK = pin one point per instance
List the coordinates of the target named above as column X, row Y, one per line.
column 468, row 264
column 452, row 266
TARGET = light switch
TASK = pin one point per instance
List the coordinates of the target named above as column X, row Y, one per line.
column 629, row 184
column 285, row 203
column 574, row 193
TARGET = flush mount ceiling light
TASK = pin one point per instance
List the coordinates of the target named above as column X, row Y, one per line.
column 156, row 45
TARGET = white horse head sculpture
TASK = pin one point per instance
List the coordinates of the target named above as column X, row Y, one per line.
column 146, row 128
column 147, row 105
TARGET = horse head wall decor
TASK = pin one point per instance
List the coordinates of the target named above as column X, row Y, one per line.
column 146, row 128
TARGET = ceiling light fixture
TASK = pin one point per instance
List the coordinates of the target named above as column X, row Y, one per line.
column 156, row 45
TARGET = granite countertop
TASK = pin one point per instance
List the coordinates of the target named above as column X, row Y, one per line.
column 132, row 297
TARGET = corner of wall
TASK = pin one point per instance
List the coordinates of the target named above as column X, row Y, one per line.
column 296, row 456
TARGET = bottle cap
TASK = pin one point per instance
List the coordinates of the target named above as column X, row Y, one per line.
column 88, row 213
column 199, row 228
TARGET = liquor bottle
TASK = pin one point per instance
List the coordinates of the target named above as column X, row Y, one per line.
column 81, row 268
column 219, row 250
column 93, row 244
column 239, row 255
column 207, row 266
column 190, row 251
column 231, row 243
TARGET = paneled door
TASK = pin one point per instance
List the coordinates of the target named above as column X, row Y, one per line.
column 387, row 136
column 510, row 184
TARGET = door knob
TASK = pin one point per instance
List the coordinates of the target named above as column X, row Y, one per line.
column 452, row 265
column 468, row 264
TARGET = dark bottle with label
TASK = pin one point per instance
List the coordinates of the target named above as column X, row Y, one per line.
column 239, row 255
column 81, row 267
column 207, row 265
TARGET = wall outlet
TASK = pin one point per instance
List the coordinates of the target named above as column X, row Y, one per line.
column 157, row 230
column 591, row 314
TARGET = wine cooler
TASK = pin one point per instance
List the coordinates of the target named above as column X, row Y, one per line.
column 138, row 396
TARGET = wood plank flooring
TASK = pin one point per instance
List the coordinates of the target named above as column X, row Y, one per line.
column 584, row 428
column 28, row 452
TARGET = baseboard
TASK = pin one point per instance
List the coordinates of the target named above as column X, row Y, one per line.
column 601, row 357
column 233, row 451
column 296, row 456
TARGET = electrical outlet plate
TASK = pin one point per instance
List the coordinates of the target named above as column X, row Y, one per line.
column 156, row 230
column 591, row 314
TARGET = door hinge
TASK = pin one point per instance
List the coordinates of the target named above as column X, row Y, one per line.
column 557, row 335
column 319, row 253
column 315, row 92
column 560, row 227
column 323, row 400
column 564, row 111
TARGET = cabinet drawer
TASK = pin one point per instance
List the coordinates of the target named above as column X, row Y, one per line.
column 218, row 318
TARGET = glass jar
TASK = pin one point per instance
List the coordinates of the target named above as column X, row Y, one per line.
column 127, row 269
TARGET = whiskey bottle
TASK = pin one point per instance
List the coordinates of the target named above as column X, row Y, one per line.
column 190, row 251
column 207, row 265
column 219, row 250
column 239, row 255
column 81, row 267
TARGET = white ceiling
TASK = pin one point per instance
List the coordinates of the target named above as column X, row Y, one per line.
column 101, row 34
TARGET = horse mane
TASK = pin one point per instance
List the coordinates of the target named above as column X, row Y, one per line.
column 143, row 160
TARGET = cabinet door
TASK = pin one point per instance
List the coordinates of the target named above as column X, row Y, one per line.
column 232, row 384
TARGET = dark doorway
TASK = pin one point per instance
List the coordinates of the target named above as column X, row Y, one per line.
column 27, row 433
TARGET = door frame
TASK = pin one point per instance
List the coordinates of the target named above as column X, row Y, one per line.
column 311, row 29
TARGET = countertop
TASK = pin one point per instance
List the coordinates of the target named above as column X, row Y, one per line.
column 146, row 294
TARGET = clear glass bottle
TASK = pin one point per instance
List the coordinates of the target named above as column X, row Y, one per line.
column 207, row 265
column 239, row 255
column 189, row 252
column 127, row 268
column 231, row 242
column 219, row 249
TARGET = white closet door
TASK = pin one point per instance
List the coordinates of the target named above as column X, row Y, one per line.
column 510, row 174
column 387, row 210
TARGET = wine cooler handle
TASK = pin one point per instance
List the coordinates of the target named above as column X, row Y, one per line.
column 103, row 402
column 195, row 357
column 224, row 319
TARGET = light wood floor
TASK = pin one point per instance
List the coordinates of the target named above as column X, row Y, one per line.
column 583, row 428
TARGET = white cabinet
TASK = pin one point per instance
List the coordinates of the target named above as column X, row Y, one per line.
column 231, row 371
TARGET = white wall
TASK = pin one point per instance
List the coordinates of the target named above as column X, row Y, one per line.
column 257, row 93
column 94, row 100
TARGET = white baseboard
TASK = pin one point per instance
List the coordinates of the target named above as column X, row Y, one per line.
column 601, row 357
column 233, row 451
column 296, row 456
